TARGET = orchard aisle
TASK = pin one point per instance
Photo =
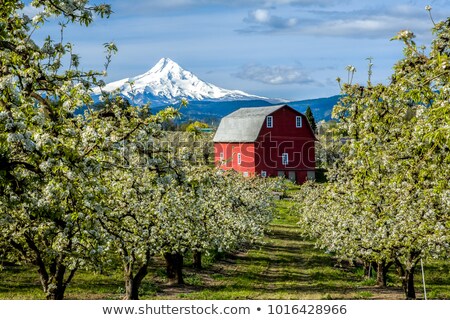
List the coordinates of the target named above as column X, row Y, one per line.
column 285, row 267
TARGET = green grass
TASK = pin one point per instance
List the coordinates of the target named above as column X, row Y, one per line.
column 18, row 282
column 286, row 266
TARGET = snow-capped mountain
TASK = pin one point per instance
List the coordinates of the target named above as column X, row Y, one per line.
column 167, row 83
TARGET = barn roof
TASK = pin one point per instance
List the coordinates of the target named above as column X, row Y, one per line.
column 244, row 124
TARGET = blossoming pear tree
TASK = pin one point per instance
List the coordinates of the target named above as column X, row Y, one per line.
column 212, row 210
column 387, row 199
column 51, row 158
column 76, row 188
column 165, row 208
column 134, row 173
column 47, row 160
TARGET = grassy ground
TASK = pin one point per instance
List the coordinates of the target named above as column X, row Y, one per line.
column 285, row 267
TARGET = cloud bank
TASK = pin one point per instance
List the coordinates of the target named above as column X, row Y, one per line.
column 274, row 75
column 365, row 22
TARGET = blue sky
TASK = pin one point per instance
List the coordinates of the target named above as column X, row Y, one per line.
column 291, row 49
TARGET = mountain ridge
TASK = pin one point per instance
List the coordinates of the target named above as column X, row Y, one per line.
column 166, row 83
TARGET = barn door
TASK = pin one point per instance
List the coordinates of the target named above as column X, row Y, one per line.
column 311, row 175
column 292, row 176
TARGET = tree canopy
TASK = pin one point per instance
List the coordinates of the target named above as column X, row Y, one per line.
column 388, row 198
column 81, row 184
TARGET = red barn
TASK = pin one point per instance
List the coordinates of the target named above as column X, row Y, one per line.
column 266, row 141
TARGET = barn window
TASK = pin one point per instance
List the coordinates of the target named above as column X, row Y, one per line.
column 298, row 121
column 263, row 174
column 245, row 174
column 239, row 158
column 221, row 156
column 284, row 158
column 269, row 122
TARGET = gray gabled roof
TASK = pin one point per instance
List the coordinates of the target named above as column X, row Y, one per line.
column 244, row 124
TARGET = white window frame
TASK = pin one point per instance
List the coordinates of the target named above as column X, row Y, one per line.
column 263, row 173
column 245, row 174
column 298, row 122
column 269, row 121
column 221, row 156
column 285, row 158
column 239, row 159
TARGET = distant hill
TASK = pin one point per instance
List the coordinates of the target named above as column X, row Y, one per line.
column 320, row 107
column 213, row 111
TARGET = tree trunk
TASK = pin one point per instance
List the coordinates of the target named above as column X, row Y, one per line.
column 382, row 270
column 130, row 291
column 409, row 279
column 170, row 269
column 179, row 268
column 55, row 285
column 43, row 277
column 55, row 292
column 197, row 260
column 174, row 267
column 407, row 276
column 51, row 275
column 133, row 283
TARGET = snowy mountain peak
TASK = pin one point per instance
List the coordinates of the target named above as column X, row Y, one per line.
column 167, row 69
column 165, row 65
column 167, row 83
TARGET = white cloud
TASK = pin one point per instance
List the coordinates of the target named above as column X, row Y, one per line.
column 275, row 75
column 375, row 26
column 260, row 15
column 262, row 20
column 364, row 22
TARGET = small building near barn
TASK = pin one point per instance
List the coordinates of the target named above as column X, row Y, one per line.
column 266, row 141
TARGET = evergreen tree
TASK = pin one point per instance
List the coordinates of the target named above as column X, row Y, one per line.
column 309, row 115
